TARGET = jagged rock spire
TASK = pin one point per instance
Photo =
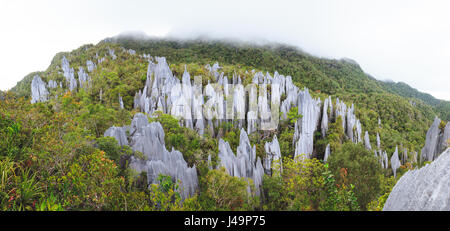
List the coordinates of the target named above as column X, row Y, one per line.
column 244, row 164
column 395, row 162
column 39, row 92
column 430, row 150
column 148, row 138
column 273, row 153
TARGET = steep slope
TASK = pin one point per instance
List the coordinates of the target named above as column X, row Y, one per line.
column 340, row 78
column 441, row 107
column 325, row 106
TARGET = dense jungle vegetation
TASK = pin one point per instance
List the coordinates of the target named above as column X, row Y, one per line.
column 53, row 155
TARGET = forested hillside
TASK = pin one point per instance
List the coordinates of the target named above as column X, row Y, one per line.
column 83, row 141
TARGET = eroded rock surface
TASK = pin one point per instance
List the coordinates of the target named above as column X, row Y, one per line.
column 432, row 144
column 39, row 92
column 423, row 189
column 244, row 163
column 148, row 138
column 273, row 153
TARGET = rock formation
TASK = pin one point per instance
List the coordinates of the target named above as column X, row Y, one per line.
column 435, row 141
column 326, row 102
column 119, row 134
column 423, row 189
column 395, row 162
column 52, row 84
column 39, row 92
column 112, row 53
column 244, row 163
column 367, row 141
column 121, row 102
column 273, row 153
column 327, row 153
column 444, row 139
column 306, row 125
column 90, row 66
column 148, row 138
column 83, row 78
column 69, row 74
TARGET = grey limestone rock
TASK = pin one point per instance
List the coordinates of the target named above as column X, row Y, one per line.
column 395, row 162
column 430, row 150
column 39, row 92
column 52, row 84
column 148, row 138
column 378, row 141
column 112, row 53
column 367, row 141
column 83, row 78
column 445, row 138
column 341, row 110
column 309, row 108
column 118, row 133
column 121, row 102
column 244, row 164
column 90, row 66
column 273, row 153
column 424, row 189
column 69, row 74
column 325, row 117
column 131, row 52
column 328, row 153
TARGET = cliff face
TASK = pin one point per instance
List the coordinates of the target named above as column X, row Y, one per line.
column 423, row 189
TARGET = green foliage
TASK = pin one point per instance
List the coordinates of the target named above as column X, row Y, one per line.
column 53, row 155
column 305, row 184
column 293, row 115
column 442, row 126
column 112, row 149
column 354, row 165
column 164, row 196
column 224, row 192
column 387, row 183
column 194, row 147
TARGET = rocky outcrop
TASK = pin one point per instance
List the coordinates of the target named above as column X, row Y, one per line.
column 69, row 74
column 327, row 153
column 83, row 78
column 119, row 133
column 383, row 158
column 39, row 92
column 244, row 163
column 367, row 141
column 354, row 129
column 324, row 130
column 131, row 52
column 52, row 84
column 121, row 102
column 305, row 127
column 273, row 153
column 444, row 139
column 148, row 138
column 378, row 141
column 112, row 53
column 395, row 162
column 423, row 189
column 434, row 143
column 90, row 66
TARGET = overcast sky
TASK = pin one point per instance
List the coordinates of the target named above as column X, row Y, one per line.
column 402, row 40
